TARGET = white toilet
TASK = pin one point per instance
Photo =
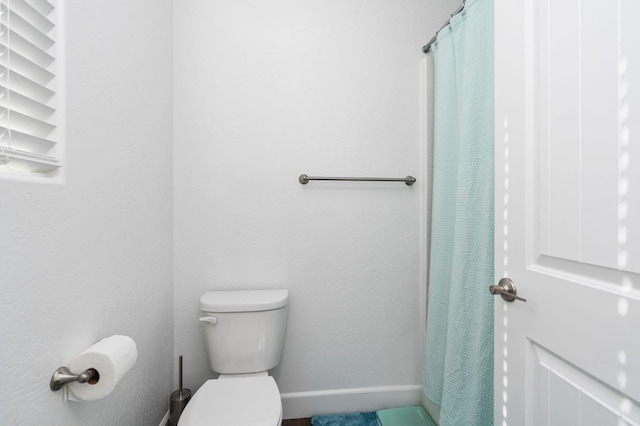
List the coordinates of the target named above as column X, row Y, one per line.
column 244, row 333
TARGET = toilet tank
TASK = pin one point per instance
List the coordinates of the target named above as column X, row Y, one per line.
column 244, row 329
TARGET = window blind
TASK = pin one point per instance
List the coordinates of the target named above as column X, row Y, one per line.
column 27, row 85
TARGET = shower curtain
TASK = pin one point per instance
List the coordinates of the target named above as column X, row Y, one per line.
column 458, row 366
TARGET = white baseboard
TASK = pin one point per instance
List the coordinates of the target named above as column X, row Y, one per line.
column 165, row 419
column 298, row 405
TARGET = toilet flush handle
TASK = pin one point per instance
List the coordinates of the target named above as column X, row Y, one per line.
column 210, row 320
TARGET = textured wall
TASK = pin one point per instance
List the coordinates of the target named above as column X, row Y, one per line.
column 263, row 92
column 91, row 257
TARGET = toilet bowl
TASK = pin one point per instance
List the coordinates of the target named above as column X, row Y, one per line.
column 244, row 335
column 248, row 401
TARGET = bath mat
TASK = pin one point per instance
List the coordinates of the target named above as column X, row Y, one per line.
column 350, row 419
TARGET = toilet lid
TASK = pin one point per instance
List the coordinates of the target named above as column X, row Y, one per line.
column 251, row 401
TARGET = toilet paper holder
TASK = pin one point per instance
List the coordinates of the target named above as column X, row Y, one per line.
column 63, row 375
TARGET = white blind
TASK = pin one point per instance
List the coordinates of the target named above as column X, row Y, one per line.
column 27, row 85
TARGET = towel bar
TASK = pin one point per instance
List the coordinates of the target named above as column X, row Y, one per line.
column 409, row 180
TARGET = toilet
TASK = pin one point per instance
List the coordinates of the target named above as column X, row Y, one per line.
column 244, row 334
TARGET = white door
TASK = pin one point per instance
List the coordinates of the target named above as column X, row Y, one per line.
column 568, row 212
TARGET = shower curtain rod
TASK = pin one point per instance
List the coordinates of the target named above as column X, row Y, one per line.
column 427, row 47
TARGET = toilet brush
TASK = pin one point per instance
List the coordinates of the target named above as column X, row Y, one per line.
column 179, row 399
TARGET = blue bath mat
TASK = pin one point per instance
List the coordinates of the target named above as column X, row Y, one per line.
column 350, row 419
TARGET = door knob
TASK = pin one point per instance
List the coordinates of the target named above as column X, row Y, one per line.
column 507, row 289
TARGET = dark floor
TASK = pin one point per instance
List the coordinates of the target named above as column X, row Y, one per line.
column 297, row 422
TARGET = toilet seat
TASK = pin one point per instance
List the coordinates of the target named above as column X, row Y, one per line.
column 253, row 401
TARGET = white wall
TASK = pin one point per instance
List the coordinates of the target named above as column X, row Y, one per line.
column 265, row 91
column 91, row 257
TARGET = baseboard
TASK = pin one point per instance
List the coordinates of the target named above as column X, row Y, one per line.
column 298, row 405
column 165, row 419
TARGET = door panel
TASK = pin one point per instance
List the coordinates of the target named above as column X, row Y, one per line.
column 568, row 212
column 576, row 124
column 566, row 395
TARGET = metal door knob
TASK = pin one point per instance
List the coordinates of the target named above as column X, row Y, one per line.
column 507, row 289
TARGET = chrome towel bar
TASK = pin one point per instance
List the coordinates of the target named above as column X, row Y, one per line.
column 409, row 180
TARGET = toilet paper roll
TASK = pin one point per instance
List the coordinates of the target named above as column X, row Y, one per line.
column 112, row 358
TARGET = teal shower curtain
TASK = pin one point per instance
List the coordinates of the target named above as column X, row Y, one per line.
column 458, row 366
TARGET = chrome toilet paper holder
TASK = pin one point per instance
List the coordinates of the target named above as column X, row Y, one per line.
column 63, row 375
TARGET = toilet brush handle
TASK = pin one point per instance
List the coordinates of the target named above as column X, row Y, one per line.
column 180, row 374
